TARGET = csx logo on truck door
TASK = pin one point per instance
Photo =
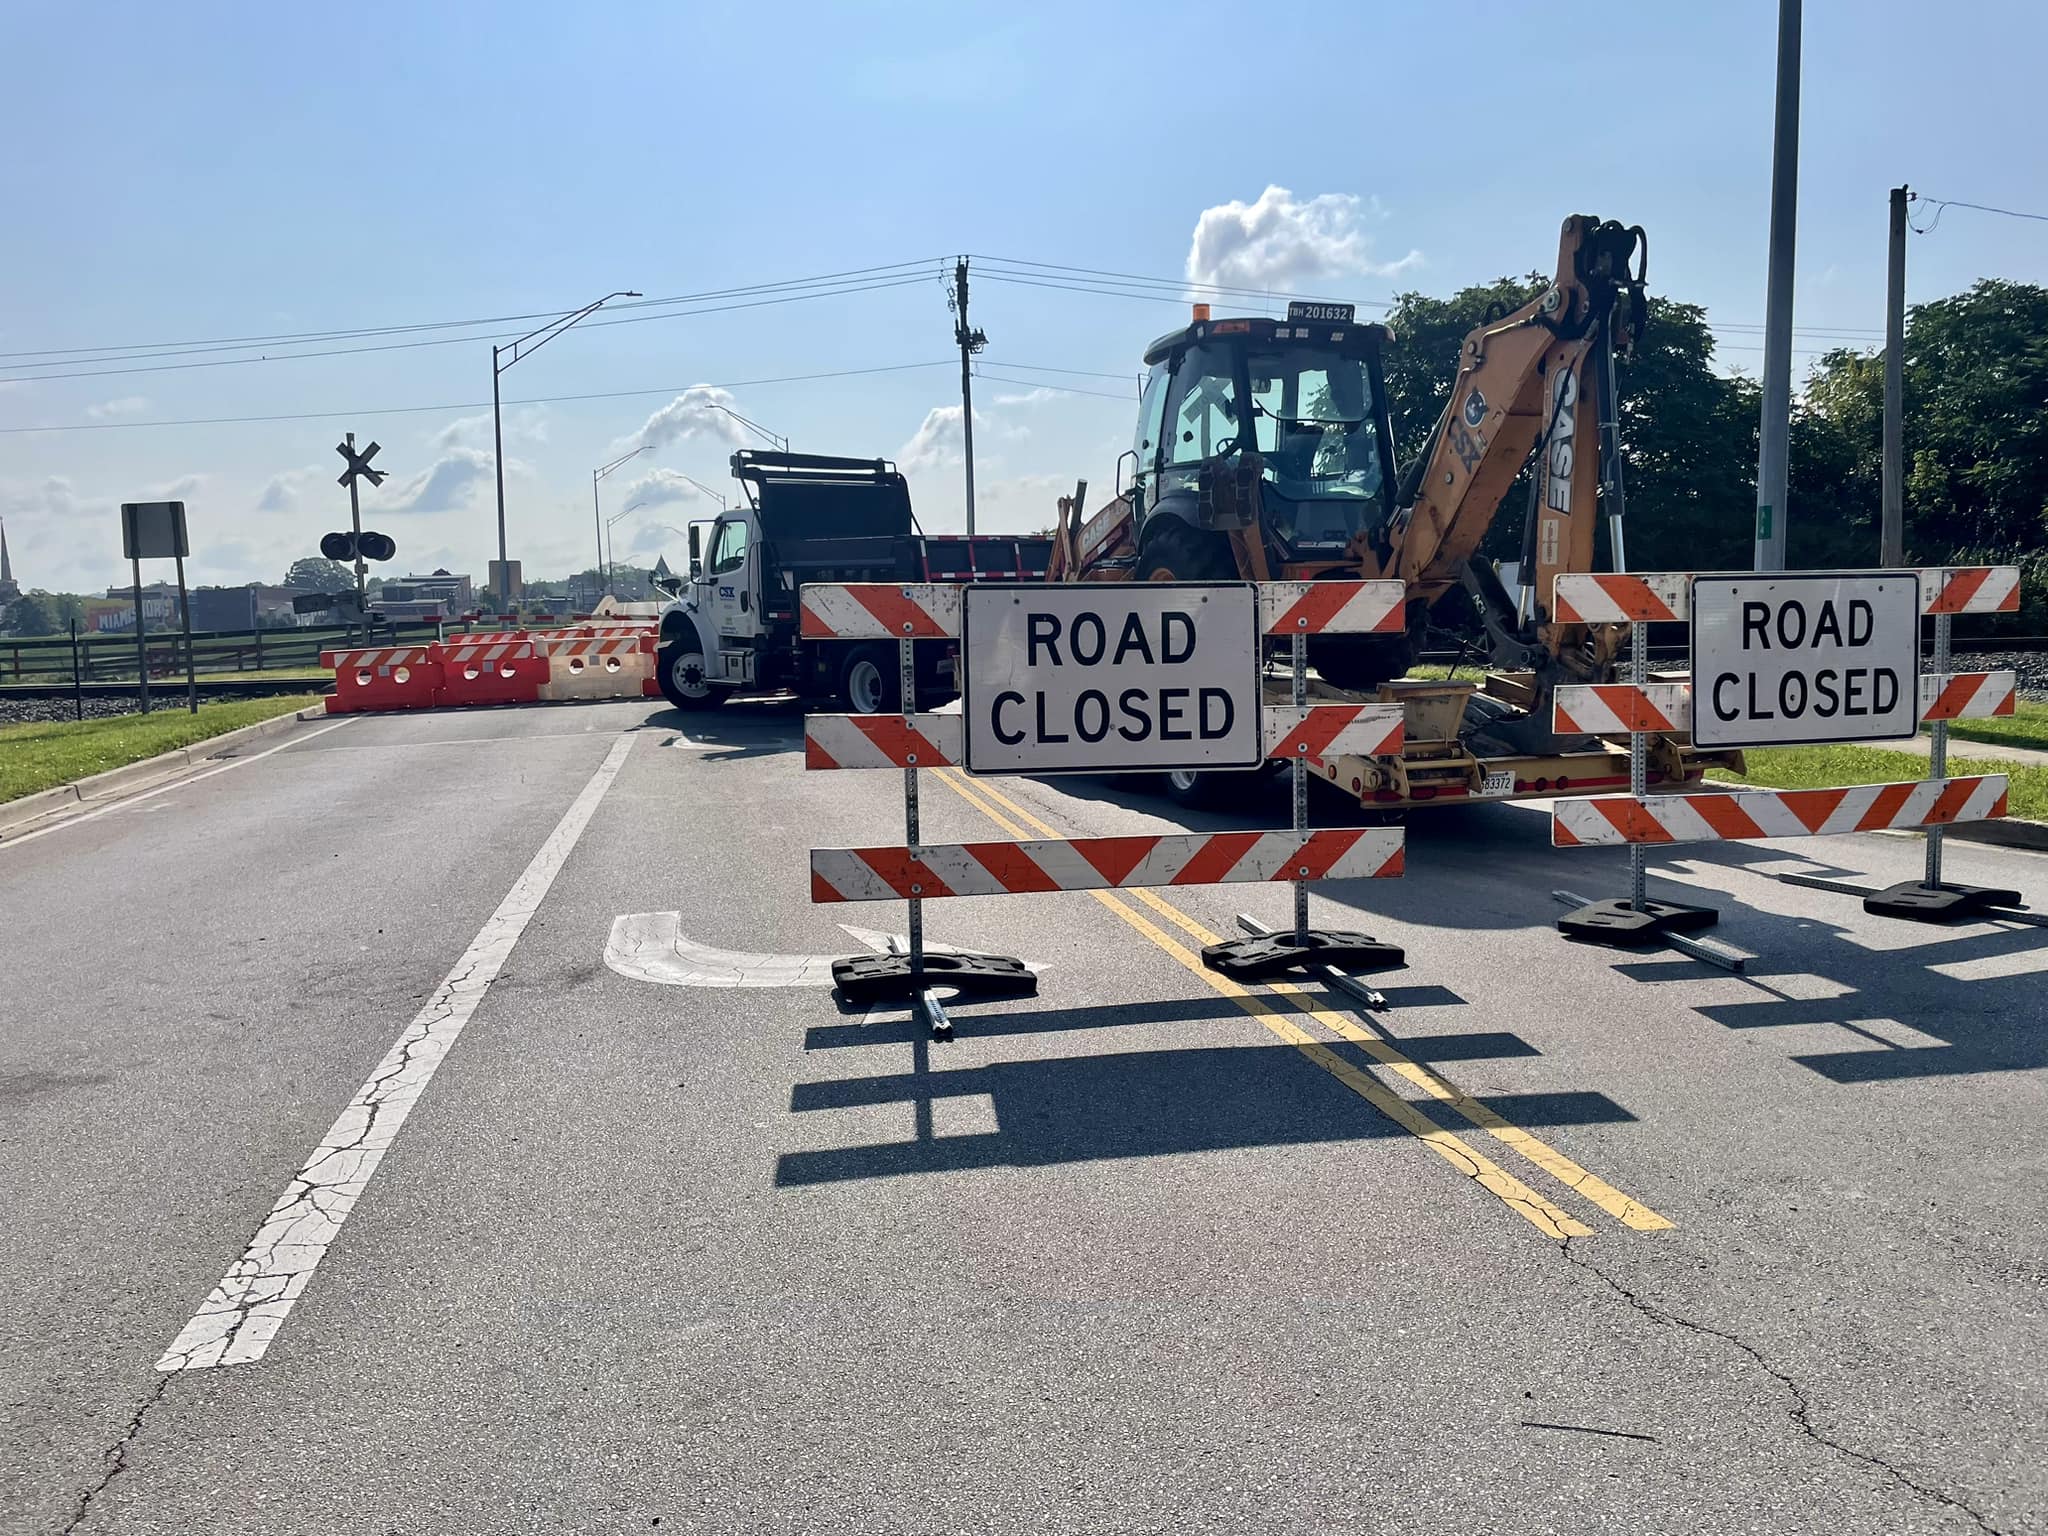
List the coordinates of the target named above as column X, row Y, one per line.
column 1557, row 458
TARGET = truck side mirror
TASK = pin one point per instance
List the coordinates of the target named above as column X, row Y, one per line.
column 1132, row 455
column 696, row 550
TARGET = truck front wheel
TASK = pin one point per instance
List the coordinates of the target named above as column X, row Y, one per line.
column 685, row 681
column 868, row 680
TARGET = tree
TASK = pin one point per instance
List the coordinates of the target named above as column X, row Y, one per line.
column 33, row 613
column 1975, row 426
column 315, row 573
column 1688, row 434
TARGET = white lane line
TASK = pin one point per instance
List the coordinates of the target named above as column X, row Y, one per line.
column 126, row 801
column 245, row 1311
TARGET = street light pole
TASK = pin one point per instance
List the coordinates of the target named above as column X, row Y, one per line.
column 751, row 425
column 596, row 513
column 503, row 357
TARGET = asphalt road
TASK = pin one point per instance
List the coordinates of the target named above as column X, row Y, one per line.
column 1563, row 1240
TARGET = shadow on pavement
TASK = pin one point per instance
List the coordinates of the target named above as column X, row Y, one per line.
column 1129, row 1104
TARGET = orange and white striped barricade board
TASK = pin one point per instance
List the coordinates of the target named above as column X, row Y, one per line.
column 1122, row 636
column 1665, row 708
column 1782, row 612
column 491, row 672
column 1743, row 815
column 386, row 677
column 617, row 666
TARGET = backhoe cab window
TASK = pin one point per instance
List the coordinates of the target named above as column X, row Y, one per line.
column 729, row 553
column 1312, row 415
column 1202, row 412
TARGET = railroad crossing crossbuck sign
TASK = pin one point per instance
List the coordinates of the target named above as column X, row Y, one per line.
column 359, row 464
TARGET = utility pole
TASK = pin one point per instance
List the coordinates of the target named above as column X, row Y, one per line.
column 355, row 523
column 1892, row 540
column 1775, row 434
column 498, row 463
column 969, row 342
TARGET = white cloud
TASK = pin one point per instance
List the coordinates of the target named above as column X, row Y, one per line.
column 698, row 412
column 526, row 424
column 1036, row 396
column 109, row 410
column 938, row 441
column 1286, row 243
column 446, row 485
column 659, row 486
column 282, row 491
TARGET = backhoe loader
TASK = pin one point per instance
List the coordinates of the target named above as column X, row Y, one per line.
column 1264, row 452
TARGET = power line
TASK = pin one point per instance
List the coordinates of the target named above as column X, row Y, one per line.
column 1065, row 389
column 342, row 334
column 449, row 341
column 474, row 405
column 1083, row 373
column 1116, row 289
column 1943, row 204
column 1175, row 282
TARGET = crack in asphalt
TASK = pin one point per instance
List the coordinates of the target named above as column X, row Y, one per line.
column 116, row 1455
column 1800, row 1410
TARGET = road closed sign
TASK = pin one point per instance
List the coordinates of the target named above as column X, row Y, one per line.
column 1100, row 677
column 1791, row 659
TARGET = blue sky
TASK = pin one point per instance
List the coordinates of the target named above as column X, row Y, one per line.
column 202, row 172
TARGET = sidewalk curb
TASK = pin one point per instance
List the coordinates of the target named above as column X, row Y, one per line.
column 130, row 777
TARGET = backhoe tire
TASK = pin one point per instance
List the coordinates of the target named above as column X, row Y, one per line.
column 680, row 670
column 1178, row 552
column 869, row 680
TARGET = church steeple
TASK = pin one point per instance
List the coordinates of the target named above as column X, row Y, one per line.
column 8, row 589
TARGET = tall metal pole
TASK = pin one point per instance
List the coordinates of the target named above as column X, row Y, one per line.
column 141, row 641
column 970, row 341
column 498, row 462
column 1774, row 438
column 1892, row 539
column 355, row 522
column 185, row 625
column 597, row 519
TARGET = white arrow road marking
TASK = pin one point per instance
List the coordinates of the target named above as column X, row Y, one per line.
column 237, row 1322
column 651, row 946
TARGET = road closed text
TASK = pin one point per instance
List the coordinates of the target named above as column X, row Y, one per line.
column 1794, row 659
column 1108, row 680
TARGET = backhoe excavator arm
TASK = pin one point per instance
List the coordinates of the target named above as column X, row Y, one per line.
column 1539, row 373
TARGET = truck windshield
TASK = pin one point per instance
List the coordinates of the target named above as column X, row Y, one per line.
column 1314, row 420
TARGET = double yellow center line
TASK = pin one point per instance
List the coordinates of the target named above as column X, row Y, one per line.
column 1545, row 1215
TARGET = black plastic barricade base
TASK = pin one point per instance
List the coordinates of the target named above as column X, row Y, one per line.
column 1273, row 953
column 1626, row 927
column 1944, row 903
column 880, row 978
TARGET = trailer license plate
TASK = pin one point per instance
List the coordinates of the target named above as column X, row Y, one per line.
column 1498, row 783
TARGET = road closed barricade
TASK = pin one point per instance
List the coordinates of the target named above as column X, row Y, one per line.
column 491, row 672
column 617, row 666
column 1783, row 659
column 1101, row 678
column 384, row 677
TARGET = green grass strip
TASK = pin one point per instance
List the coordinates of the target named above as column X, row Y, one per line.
column 41, row 755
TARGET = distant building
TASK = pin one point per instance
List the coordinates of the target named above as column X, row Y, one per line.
column 115, row 613
column 438, row 596
column 583, row 593
column 251, row 607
